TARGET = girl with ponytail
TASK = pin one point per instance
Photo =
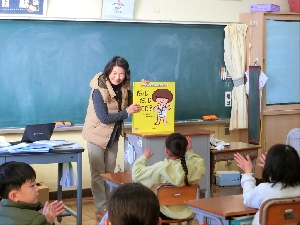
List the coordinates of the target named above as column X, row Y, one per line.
column 180, row 167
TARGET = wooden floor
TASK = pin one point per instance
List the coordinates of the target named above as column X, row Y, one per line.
column 88, row 208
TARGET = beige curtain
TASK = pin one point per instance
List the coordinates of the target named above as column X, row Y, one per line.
column 234, row 57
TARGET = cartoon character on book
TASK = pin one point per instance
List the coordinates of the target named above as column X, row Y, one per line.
column 162, row 97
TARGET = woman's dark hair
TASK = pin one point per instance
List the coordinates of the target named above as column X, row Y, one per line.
column 282, row 165
column 177, row 144
column 13, row 175
column 133, row 203
column 120, row 62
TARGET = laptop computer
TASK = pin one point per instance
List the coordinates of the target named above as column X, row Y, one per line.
column 38, row 132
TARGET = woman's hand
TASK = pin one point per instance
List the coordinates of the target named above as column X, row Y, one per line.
column 133, row 108
column 147, row 152
column 145, row 81
column 244, row 163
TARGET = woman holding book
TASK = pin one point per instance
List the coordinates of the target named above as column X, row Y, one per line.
column 110, row 103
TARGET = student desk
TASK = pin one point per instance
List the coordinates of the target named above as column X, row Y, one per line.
column 116, row 179
column 54, row 156
column 228, row 154
column 156, row 142
column 219, row 209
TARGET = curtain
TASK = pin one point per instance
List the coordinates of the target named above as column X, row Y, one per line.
column 235, row 60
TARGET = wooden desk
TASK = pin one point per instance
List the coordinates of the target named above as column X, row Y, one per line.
column 54, row 156
column 219, row 209
column 227, row 154
column 156, row 142
column 116, row 179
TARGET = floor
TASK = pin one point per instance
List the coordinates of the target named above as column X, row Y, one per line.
column 88, row 209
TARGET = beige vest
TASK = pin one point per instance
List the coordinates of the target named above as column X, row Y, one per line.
column 93, row 130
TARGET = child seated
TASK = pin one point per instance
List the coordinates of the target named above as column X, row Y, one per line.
column 19, row 193
column 281, row 176
column 180, row 167
column 132, row 203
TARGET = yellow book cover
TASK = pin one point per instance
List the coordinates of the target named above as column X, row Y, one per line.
column 157, row 100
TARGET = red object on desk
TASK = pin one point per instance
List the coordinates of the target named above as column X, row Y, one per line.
column 209, row 117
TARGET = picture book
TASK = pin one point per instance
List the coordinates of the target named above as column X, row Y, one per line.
column 157, row 100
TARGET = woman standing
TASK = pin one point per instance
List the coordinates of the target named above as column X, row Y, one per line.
column 109, row 104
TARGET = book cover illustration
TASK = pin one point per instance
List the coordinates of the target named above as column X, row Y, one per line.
column 157, row 100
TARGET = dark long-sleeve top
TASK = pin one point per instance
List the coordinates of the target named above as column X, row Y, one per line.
column 105, row 117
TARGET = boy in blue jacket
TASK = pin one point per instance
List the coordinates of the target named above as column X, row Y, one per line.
column 19, row 193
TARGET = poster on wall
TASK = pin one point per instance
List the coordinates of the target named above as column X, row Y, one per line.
column 24, row 7
column 157, row 100
column 117, row 9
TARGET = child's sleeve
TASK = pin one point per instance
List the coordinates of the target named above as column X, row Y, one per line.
column 197, row 165
column 147, row 175
column 251, row 195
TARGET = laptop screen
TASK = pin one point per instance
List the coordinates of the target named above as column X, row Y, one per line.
column 38, row 132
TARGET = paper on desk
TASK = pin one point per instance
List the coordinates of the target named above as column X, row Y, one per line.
column 54, row 142
column 68, row 177
column 68, row 146
column 14, row 148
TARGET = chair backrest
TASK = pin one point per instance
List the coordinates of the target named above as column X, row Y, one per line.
column 169, row 194
column 280, row 211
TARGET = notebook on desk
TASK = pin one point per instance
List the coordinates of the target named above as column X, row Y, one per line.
column 36, row 132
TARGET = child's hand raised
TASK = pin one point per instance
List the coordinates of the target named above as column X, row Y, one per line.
column 244, row 163
column 147, row 152
column 262, row 159
column 189, row 146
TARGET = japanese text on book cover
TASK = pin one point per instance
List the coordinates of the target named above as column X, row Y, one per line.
column 157, row 100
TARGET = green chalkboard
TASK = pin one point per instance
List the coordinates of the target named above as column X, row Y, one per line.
column 46, row 66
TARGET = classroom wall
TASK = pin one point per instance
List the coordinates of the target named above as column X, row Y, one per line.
column 190, row 10
column 174, row 10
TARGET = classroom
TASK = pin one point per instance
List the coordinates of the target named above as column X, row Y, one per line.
column 278, row 119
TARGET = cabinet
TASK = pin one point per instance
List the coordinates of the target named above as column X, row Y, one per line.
column 277, row 120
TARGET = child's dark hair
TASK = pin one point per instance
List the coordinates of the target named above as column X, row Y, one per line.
column 177, row 144
column 282, row 165
column 133, row 203
column 13, row 175
column 120, row 62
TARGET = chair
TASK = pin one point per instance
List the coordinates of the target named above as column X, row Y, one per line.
column 280, row 211
column 169, row 194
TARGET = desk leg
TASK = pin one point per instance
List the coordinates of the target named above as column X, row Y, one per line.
column 211, row 220
column 201, row 219
column 212, row 170
column 59, row 187
column 79, row 189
